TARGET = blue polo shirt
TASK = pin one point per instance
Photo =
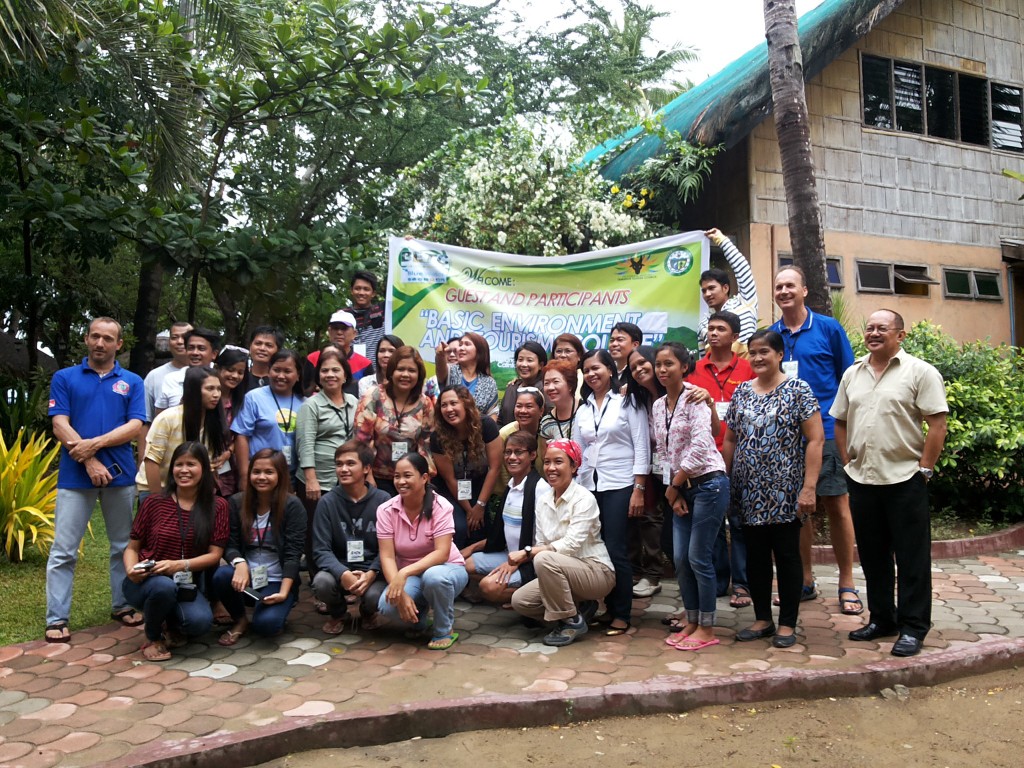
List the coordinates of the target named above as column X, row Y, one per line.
column 96, row 405
column 823, row 353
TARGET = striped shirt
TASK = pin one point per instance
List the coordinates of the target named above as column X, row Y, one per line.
column 158, row 530
column 743, row 304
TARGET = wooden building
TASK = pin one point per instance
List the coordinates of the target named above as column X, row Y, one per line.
column 916, row 108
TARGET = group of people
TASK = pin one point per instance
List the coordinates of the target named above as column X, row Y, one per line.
column 397, row 493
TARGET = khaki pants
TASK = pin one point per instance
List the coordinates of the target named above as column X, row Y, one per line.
column 561, row 582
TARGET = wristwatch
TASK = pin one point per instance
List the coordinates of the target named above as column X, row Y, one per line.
column 928, row 473
column 640, row 486
column 237, row 560
column 529, row 551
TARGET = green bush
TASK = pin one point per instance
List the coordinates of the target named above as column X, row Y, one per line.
column 23, row 406
column 980, row 474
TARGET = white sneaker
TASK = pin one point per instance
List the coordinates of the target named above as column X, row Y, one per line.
column 644, row 588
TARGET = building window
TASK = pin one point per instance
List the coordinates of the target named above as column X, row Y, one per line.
column 833, row 266
column 899, row 279
column 978, row 284
column 909, row 97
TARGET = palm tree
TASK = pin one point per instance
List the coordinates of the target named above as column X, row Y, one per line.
column 617, row 66
column 789, row 104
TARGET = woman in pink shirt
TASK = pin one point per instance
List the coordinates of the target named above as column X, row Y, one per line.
column 418, row 556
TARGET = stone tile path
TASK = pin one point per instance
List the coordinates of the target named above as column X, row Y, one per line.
column 97, row 700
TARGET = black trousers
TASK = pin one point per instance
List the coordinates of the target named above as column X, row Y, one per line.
column 781, row 542
column 894, row 538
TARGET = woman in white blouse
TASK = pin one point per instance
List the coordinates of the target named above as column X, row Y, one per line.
column 613, row 433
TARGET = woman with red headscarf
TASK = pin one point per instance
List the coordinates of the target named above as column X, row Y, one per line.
column 568, row 555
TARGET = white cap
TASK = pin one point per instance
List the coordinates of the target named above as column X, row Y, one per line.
column 341, row 316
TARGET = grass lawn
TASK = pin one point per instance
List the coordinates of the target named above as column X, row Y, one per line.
column 23, row 606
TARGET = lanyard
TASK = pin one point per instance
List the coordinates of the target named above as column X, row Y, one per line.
column 465, row 462
column 401, row 414
column 342, row 414
column 670, row 416
column 569, row 421
column 599, row 419
column 261, row 533
column 280, row 411
column 182, row 528
column 720, row 382
column 789, row 341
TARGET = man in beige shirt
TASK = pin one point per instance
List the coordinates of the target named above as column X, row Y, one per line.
column 882, row 401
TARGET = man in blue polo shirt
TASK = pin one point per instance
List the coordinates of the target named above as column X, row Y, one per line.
column 97, row 408
column 818, row 352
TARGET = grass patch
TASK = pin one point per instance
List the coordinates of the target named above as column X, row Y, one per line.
column 946, row 525
column 23, row 607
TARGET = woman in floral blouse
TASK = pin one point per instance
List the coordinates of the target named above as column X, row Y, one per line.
column 397, row 418
column 697, row 491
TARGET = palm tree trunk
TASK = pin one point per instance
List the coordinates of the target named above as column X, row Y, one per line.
column 789, row 104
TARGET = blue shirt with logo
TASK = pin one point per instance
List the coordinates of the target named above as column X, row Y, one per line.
column 823, row 353
column 95, row 405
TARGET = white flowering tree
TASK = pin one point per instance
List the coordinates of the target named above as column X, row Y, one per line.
column 518, row 189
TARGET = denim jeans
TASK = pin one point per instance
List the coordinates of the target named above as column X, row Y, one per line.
column 71, row 519
column 157, row 598
column 436, row 588
column 614, row 509
column 731, row 554
column 267, row 620
column 693, row 545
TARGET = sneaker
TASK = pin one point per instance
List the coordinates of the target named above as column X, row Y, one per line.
column 646, row 588
column 566, row 632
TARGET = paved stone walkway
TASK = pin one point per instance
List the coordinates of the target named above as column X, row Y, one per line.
column 97, row 700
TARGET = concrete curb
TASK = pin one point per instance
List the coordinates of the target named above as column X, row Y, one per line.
column 655, row 696
column 950, row 549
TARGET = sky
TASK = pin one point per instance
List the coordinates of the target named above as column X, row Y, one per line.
column 719, row 30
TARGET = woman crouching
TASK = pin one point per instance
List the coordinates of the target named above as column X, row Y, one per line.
column 570, row 559
column 176, row 535
column 418, row 556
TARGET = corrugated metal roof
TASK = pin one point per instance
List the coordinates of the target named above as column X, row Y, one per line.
column 727, row 106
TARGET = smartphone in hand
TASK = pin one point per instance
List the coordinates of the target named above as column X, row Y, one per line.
column 250, row 592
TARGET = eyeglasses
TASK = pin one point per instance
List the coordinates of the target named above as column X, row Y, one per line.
column 515, row 452
column 527, row 390
column 879, row 329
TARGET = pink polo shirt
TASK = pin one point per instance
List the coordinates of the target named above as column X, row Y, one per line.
column 414, row 541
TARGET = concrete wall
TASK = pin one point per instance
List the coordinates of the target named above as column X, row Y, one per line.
column 888, row 195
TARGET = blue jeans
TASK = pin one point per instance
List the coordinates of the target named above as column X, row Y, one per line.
column 614, row 509
column 436, row 588
column 693, row 543
column 157, row 598
column 71, row 519
column 267, row 620
column 731, row 554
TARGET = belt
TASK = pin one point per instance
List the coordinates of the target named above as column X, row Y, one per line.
column 705, row 477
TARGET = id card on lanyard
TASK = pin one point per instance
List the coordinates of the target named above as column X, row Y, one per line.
column 464, row 486
column 261, row 573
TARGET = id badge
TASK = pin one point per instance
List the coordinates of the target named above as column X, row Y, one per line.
column 183, row 577
column 666, row 475
column 791, row 368
column 398, row 449
column 721, row 409
column 355, row 551
column 465, row 490
column 287, row 451
column 260, row 579
column 657, row 464
column 224, row 468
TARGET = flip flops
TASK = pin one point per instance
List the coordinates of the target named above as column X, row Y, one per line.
column 58, row 626
column 690, row 644
column 858, row 608
column 128, row 616
column 444, row 642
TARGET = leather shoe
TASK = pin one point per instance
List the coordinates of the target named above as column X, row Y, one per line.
column 872, row 631
column 784, row 641
column 745, row 635
column 907, row 645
